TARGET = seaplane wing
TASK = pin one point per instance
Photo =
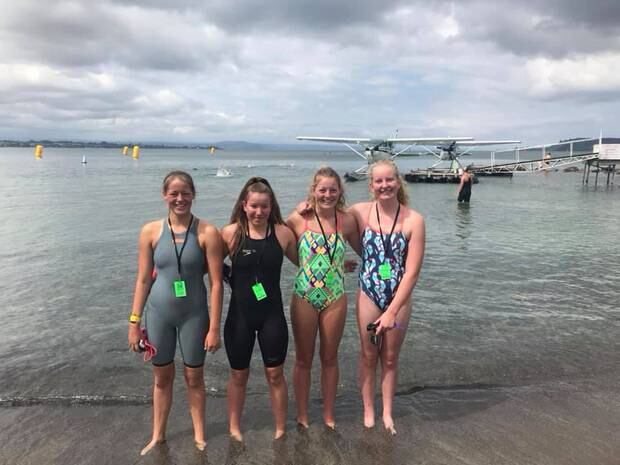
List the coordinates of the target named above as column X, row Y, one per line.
column 475, row 143
column 344, row 140
column 428, row 140
column 397, row 140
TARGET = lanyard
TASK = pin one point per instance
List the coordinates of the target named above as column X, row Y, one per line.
column 330, row 253
column 262, row 251
column 174, row 241
column 387, row 245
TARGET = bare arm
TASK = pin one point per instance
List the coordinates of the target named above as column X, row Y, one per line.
column 144, row 281
column 214, row 249
column 413, row 265
column 352, row 232
column 288, row 242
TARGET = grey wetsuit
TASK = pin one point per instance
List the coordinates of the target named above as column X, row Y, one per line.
column 167, row 317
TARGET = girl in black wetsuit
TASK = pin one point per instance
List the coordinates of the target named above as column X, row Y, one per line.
column 256, row 240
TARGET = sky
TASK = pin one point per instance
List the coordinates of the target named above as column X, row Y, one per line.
column 269, row 70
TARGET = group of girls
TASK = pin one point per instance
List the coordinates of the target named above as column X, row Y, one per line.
column 171, row 297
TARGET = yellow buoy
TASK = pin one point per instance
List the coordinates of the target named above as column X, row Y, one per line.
column 125, row 150
column 212, row 150
column 38, row 151
column 136, row 152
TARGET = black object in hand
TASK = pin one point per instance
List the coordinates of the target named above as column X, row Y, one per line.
column 374, row 339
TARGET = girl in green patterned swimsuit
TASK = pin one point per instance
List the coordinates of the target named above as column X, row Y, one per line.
column 319, row 303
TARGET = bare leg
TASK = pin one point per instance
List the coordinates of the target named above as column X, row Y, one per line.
column 367, row 312
column 194, row 379
column 331, row 326
column 162, row 401
column 305, row 323
column 279, row 397
column 392, row 342
column 237, row 384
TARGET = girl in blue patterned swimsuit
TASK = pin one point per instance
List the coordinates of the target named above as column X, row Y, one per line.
column 392, row 253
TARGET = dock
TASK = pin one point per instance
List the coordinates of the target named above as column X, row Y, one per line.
column 436, row 176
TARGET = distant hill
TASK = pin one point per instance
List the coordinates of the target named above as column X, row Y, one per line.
column 240, row 146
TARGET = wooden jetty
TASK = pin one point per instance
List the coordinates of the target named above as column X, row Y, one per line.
column 436, row 176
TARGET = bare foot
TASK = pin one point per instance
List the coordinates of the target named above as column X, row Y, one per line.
column 303, row 422
column 329, row 421
column 279, row 433
column 200, row 445
column 369, row 420
column 388, row 424
column 151, row 445
column 236, row 435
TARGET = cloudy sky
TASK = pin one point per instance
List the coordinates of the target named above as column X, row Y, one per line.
column 268, row 70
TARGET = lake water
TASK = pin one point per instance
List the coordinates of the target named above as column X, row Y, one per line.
column 519, row 287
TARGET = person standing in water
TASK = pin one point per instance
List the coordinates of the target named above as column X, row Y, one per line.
column 319, row 304
column 392, row 241
column 464, row 193
column 170, row 295
column 257, row 240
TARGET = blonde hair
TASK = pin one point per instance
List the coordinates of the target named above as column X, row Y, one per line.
column 326, row 172
column 401, row 195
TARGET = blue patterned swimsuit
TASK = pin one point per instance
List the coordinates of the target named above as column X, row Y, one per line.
column 382, row 291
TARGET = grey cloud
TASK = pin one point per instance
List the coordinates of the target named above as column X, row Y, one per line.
column 553, row 28
column 95, row 34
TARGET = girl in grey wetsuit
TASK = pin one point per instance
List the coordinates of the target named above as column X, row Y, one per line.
column 170, row 286
column 256, row 240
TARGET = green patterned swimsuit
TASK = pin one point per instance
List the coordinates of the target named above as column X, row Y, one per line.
column 318, row 282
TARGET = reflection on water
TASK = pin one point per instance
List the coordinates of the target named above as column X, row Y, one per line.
column 463, row 224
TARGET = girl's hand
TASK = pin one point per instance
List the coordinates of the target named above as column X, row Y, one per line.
column 212, row 341
column 303, row 208
column 386, row 322
column 133, row 336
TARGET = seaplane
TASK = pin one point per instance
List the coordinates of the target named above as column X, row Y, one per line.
column 378, row 149
column 454, row 150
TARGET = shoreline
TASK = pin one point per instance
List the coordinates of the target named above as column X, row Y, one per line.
column 556, row 423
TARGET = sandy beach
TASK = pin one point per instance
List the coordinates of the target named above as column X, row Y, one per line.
column 560, row 423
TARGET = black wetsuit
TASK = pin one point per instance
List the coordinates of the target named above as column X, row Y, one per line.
column 257, row 259
column 465, row 192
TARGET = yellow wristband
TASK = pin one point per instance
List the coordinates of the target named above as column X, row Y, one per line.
column 133, row 318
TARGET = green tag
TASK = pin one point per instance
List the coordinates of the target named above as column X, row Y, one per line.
column 385, row 271
column 259, row 291
column 179, row 288
column 330, row 278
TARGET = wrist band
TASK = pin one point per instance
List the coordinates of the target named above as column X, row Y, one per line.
column 133, row 318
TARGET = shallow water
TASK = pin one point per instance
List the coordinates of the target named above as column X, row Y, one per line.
column 518, row 288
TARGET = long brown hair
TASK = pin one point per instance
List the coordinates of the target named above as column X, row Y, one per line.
column 401, row 195
column 257, row 185
column 326, row 172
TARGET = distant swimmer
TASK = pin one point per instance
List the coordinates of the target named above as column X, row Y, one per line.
column 465, row 186
column 170, row 295
column 257, row 241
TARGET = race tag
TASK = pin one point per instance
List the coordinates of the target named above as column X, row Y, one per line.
column 385, row 271
column 179, row 288
column 259, row 291
column 330, row 278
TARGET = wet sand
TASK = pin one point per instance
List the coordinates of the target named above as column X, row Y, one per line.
column 559, row 423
